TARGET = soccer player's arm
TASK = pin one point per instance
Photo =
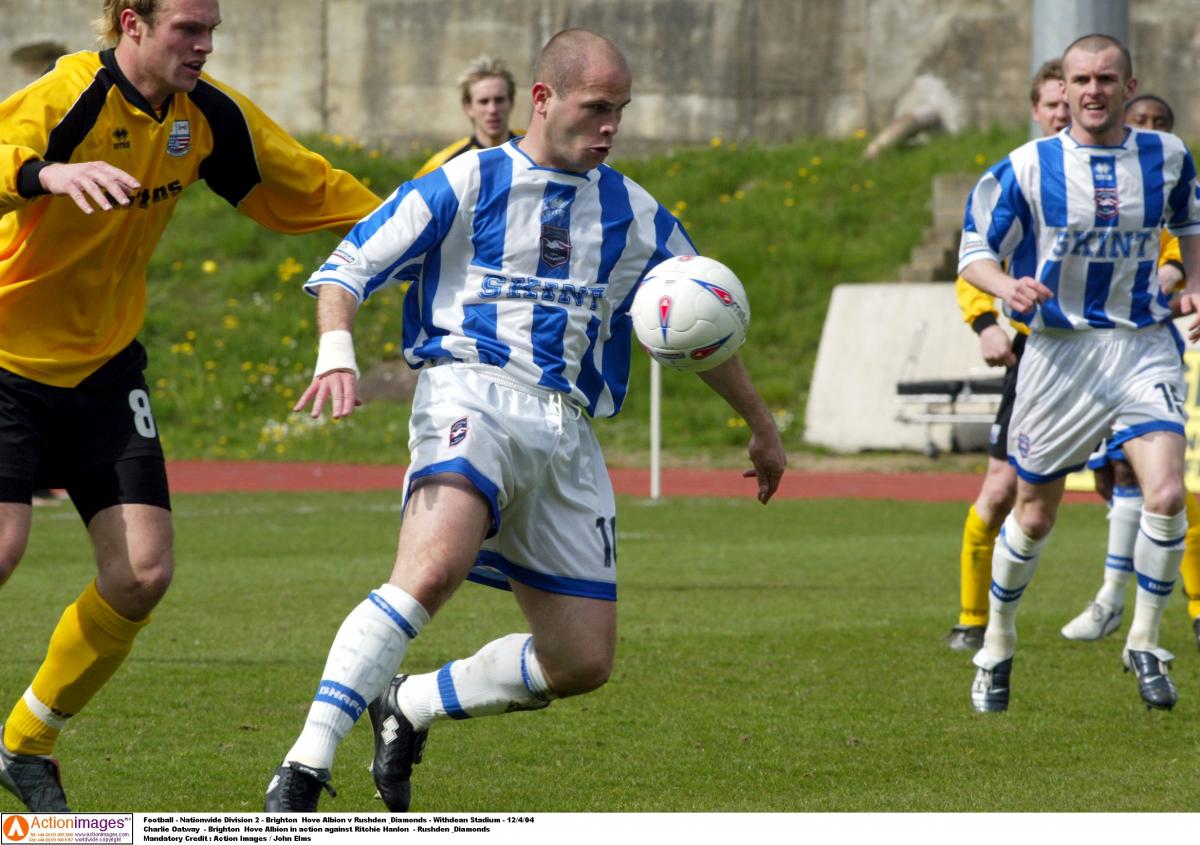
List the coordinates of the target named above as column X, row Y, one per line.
column 732, row 382
column 26, row 120
column 1183, row 221
column 277, row 182
column 984, row 245
column 730, row 379
column 979, row 312
column 1170, row 262
column 385, row 248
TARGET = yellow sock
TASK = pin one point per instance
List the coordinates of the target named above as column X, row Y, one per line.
column 87, row 646
column 976, row 569
column 1189, row 569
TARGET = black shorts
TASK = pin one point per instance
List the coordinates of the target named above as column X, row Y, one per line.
column 998, row 436
column 99, row 439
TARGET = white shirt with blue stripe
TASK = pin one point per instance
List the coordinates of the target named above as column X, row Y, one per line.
column 526, row 268
column 1085, row 222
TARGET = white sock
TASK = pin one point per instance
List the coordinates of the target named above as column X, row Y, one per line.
column 364, row 656
column 1156, row 558
column 504, row 675
column 1124, row 517
column 1014, row 561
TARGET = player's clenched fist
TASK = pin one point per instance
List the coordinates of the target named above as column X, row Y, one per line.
column 97, row 181
column 1025, row 293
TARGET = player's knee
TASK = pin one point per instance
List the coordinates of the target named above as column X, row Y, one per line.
column 1166, row 498
column 998, row 493
column 580, row 676
column 1036, row 521
column 996, row 498
column 143, row 584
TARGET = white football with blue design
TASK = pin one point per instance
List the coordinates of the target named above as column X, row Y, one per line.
column 691, row 313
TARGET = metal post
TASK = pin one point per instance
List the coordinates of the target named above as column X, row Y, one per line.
column 655, row 430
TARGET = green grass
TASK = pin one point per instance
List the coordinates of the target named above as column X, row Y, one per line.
column 786, row 658
column 231, row 336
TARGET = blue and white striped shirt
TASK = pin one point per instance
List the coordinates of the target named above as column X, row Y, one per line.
column 526, row 268
column 1085, row 222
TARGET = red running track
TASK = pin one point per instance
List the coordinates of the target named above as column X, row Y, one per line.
column 231, row 476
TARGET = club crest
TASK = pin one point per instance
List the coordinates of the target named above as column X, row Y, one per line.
column 556, row 245
column 179, row 142
column 1104, row 183
column 458, row 431
column 1023, row 444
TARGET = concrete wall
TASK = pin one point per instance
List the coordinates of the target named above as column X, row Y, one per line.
column 769, row 69
column 851, row 404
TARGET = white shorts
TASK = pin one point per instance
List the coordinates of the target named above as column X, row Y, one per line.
column 1078, row 387
column 532, row 454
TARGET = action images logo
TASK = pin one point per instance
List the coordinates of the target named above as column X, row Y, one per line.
column 27, row 828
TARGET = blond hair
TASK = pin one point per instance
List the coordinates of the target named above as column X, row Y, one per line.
column 108, row 25
column 485, row 67
column 1051, row 70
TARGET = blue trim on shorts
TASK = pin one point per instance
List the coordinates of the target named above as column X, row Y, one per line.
column 1037, row 478
column 449, row 695
column 560, row 584
column 1107, row 455
column 463, row 467
column 1135, row 431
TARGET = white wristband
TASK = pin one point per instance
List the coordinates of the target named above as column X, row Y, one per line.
column 336, row 352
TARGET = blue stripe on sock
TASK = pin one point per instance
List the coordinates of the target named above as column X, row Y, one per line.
column 1166, row 544
column 1005, row 594
column 1153, row 585
column 525, row 679
column 393, row 614
column 449, row 696
column 1124, row 564
column 341, row 697
column 1017, row 555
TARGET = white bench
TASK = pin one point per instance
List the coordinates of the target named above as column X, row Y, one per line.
column 947, row 401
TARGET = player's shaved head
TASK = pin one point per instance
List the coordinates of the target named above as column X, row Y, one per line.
column 567, row 56
column 1098, row 43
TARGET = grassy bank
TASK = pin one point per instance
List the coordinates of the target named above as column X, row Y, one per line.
column 231, row 335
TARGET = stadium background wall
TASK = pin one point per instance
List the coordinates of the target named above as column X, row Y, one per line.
column 384, row 70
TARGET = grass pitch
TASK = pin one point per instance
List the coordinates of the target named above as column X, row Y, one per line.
column 786, row 658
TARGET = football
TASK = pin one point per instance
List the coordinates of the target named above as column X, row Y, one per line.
column 691, row 313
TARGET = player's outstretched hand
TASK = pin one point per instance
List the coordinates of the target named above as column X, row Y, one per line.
column 769, row 459
column 339, row 387
column 89, row 182
column 1026, row 293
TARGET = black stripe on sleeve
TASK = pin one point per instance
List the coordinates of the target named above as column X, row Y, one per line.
column 984, row 321
column 79, row 120
column 29, row 178
column 230, row 170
